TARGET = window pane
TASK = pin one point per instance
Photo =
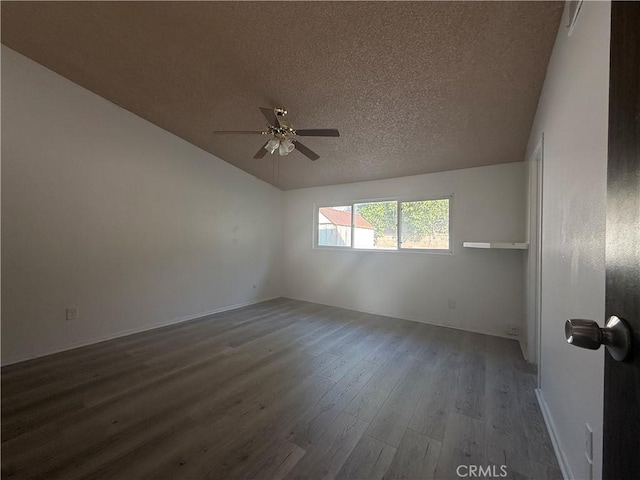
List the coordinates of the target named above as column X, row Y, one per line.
column 425, row 224
column 376, row 225
column 334, row 226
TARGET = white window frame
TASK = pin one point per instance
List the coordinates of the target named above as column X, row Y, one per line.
column 399, row 249
column 316, row 230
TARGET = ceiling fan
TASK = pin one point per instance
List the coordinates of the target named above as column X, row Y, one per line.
column 284, row 135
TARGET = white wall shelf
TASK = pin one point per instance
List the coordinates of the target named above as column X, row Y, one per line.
column 504, row 245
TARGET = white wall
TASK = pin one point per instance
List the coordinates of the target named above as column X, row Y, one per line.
column 487, row 285
column 572, row 114
column 107, row 212
column 529, row 338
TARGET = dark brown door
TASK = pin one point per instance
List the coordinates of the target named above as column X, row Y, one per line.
column 622, row 379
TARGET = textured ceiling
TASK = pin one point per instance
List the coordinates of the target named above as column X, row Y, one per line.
column 413, row 87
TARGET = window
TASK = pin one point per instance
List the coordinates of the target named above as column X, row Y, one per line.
column 386, row 225
column 376, row 225
column 334, row 226
column 425, row 224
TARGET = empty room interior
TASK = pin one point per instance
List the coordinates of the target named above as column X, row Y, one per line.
column 287, row 240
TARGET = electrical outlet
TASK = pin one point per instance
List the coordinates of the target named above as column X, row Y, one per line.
column 588, row 442
column 452, row 303
column 72, row 313
column 513, row 330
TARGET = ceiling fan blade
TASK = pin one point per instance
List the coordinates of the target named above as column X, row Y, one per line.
column 261, row 153
column 318, row 132
column 242, row 132
column 306, row 151
column 270, row 115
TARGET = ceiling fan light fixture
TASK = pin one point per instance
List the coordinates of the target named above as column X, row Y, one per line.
column 272, row 145
column 280, row 131
column 286, row 147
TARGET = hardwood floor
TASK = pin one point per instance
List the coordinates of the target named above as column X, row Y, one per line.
column 279, row 390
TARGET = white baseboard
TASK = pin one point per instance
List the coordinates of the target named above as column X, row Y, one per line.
column 435, row 324
column 132, row 331
column 562, row 459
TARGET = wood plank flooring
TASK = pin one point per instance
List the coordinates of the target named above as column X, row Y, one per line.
column 278, row 390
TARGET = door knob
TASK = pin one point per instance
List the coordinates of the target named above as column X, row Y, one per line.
column 587, row 334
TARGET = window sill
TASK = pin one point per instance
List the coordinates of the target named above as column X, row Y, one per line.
column 401, row 251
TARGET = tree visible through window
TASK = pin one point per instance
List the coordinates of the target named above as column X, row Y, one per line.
column 384, row 218
column 425, row 224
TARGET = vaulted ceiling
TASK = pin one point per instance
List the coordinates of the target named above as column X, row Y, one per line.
column 413, row 87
